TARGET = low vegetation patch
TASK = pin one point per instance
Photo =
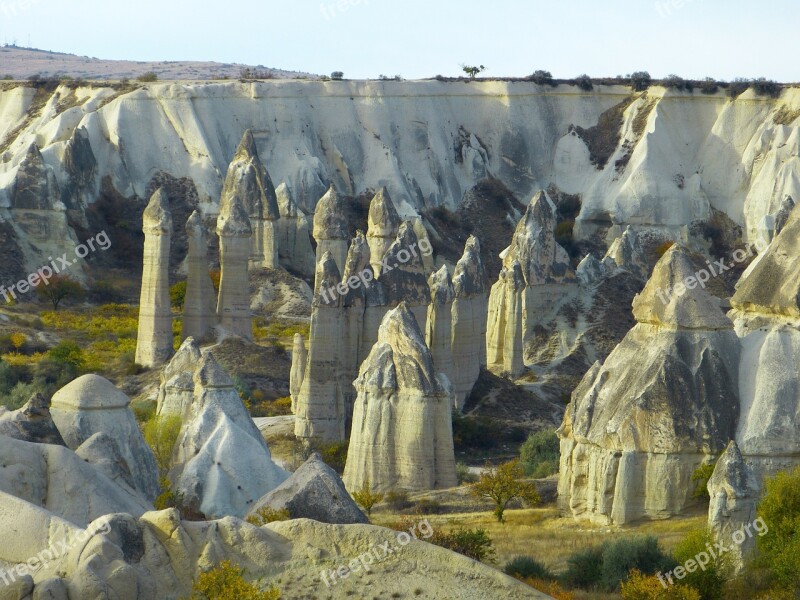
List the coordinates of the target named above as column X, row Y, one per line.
column 225, row 582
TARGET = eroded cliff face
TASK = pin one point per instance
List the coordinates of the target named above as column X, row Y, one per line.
column 659, row 159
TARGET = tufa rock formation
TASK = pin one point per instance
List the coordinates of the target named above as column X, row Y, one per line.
column 199, row 314
column 90, row 405
column 439, row 325
column 402, row 430
column 664, row 401
column 176, row 392
column 734, row 494
column 331, row 229
column 626, row 253
column 536, row 275
column 294, row 235
column 383, row 225
column 320, row 409
column 248, row 179
column 233, row 305
column 299, row 360
column 154, row 341
column 35, row 186
column 222, row 465
column 31, row 423
column 316, row 492
column 470, row 304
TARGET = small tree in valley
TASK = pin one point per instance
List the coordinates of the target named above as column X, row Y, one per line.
column 503, row 484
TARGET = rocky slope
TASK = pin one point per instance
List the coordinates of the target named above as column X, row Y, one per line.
column 427, row 142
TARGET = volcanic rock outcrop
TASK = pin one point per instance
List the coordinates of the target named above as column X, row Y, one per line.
column 383, row 225
column 299, row 360
column 439, row 325
column 470, row 305
column 157, row 555
column 626, row 253
column 31, row 423
column 316, row 492
column 249, row 180
column 664, row 401
column 176, row 392
column 199, row 312
column 536, row 275
column 320, row 409
column 402, row 430
column 90, row 405
column 233, row 304
column 222, row 465
column 734, row 494
column 294, row 235
column 154, row 341
column 766, row 313
column 331, row 231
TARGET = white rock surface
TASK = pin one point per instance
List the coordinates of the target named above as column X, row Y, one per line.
column 402, row 433
column 294, row 234
column 469, row 314
column 199, row 311
column 159, row 556
column 439, row 326
column 320, row 406
column 58, row 480
column 330, row 228
column 90, row 405
column 664, row 401
column 154, row 341
column 233, row 304
column 383, row 224
column 222, row 464
column 734, row 156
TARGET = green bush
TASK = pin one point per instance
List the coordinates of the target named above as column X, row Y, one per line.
column 710, row 582
column 584, row 82
column 68, row 353
column 226, row 582
column 605, row 567
column 474, row 543
column 148, row 77
column 161, row 434
column 585, row 568
column 398, row 500
column 266, row 515
column 780, row 547
column 641, row 553
column 464, row 474
column 701, row 475
column 641, row 80
column 539, row 455
column 527, row 567
column 540, row 77
column 177, row 295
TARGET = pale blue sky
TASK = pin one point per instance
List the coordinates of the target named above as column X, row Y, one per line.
column 422, row 38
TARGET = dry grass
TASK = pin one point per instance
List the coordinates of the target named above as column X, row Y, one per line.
column 544, row 535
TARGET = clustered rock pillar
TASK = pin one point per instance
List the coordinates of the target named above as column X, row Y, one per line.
column 320, row 409
column 470, row 285
column 154, row 343
column 199, row 315
column 402, row 433
column 664, row 401
column 233, row 306
column 439, row 326
column 248, row 179
column 330, row 229
column 294, row 237
column 383, row 224
column 536, row 273
column 299, row 360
